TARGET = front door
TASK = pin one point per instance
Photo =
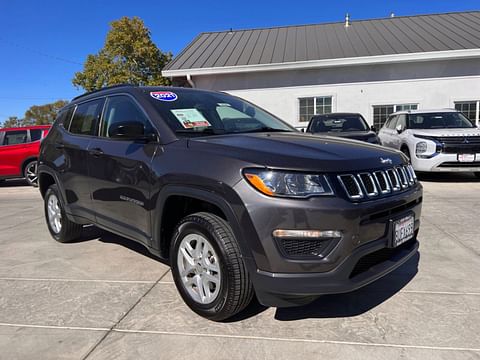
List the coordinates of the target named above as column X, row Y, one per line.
column 120, row 172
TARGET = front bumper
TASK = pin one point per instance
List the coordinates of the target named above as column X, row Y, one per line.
column 444, row 162
column 366, row 227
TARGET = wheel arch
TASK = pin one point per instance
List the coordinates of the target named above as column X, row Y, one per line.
column 164, row 223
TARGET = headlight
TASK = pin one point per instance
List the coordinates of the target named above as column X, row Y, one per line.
column 287, row 184
column 421, row 147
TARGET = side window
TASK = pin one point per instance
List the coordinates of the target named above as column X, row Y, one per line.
column 392, row 122
column 15, row 137
column 86, row 117
column 402, row 120
column 65, row 117
column 122, row 109
column 35, row 134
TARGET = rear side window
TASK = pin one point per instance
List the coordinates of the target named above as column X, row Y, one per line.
column 35, row 134
column 392, row 122
column 122, row 109
column 15, row 137
column 86, row 117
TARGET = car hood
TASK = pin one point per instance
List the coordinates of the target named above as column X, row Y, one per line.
column 446, row 132
column 299, row 151
column 356, row 135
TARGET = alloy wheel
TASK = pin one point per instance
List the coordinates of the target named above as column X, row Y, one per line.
column 54, row 214
column 199, row 268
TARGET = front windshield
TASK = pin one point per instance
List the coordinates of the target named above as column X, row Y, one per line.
column 192, row 113
column 445, row 120
column 339, row 124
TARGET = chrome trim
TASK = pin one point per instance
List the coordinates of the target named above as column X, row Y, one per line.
column 402, row 176
column 354, row 197
column 370, row 177
column 385, row 178
column 396, row 186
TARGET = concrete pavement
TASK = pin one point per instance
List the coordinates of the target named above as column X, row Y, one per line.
column 105, row 298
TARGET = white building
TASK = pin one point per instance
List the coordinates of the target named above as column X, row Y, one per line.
column 373, row 67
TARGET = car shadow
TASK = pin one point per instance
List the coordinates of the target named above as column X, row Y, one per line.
column 326, row 306
column 357, row 302
column 13, row 183
column 447, row 177
column 91, row 232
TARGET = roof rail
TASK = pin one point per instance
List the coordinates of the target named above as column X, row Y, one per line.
column 104, row 88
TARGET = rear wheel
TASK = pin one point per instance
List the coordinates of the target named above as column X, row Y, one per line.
column 30, row 173
column 208, row 268
column 60, row 227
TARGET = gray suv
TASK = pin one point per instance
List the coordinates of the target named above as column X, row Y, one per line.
column 236, row 200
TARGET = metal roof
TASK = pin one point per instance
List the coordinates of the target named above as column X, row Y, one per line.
column 328, row 41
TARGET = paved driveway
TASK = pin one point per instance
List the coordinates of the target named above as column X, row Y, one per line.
column 105, row 298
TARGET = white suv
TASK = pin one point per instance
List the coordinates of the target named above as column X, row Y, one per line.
column 434, row 140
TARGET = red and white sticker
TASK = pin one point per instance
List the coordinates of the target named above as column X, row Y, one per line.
column 164, row 95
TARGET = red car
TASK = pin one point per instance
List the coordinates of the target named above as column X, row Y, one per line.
column 19, row 148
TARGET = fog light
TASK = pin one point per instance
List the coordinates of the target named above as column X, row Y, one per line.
column 313, row 234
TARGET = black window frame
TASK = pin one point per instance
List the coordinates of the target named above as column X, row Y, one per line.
column 29, row 137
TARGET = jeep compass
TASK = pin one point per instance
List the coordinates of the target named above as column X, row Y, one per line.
column 237, row 201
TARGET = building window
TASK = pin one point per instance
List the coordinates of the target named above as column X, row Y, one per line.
column 469, row 109
column 381, row 112
column 314, row 106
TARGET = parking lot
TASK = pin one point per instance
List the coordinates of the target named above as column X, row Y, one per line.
column 104, row 297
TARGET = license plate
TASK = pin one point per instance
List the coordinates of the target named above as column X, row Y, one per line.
column 466, row 157
column 403, row 230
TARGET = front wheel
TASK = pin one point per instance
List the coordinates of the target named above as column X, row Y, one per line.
column 60, row 227
column 208, row 268
column 30, row 173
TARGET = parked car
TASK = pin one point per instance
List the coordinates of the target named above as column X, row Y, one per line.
column 434, row 140
column 347, row 125
column 236, row 200
column 19, row 148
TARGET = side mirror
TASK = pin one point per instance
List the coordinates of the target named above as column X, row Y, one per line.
column 130, row 130
column 373, row 128
column 399, row 128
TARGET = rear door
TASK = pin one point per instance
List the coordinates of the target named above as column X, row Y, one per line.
column 71, row 146
column 12, row 152
column 120, row 171
column 386, row 133
column 396, row 136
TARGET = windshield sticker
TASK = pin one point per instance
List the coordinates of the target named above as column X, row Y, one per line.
column 190, row 118
column 164, row 95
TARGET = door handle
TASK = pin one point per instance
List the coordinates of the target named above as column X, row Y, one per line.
column 59, row 146
column 95, row 152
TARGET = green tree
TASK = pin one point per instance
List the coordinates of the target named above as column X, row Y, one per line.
column 128, row 56
column 12, row 121
column 43, row 114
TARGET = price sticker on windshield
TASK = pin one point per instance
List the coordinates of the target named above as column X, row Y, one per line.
column 190, row 118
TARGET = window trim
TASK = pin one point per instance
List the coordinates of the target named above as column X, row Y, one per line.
column 331, row 96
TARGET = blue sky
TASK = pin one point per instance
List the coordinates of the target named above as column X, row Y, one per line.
column 43, row 43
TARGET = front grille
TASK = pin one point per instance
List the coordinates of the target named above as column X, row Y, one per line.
column 368, row 261
column 457, row 139
column 366, row 185
column 304, row 248
column 459, row 144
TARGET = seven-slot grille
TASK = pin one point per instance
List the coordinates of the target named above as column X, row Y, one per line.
column 367, row 185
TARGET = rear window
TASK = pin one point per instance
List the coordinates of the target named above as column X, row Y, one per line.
column 86, row 116
column 338, row 124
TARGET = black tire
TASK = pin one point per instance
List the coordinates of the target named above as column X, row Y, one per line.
column 236, row 289
column 30, row 173
column 69, row 230
column 477, row 174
